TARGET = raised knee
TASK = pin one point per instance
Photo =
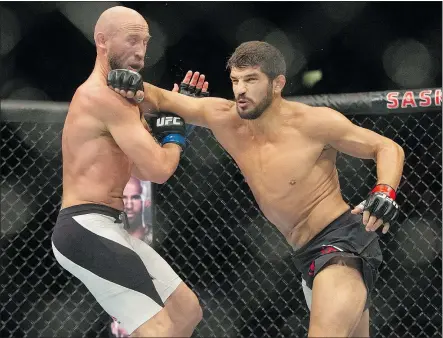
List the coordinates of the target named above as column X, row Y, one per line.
column 195, row 310
column 184, row 307
column 160, row 325
column 199, row 314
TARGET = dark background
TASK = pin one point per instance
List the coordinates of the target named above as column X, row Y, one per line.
column 358, row 46
column 209, row 227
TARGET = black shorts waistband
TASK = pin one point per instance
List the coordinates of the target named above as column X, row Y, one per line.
column 336, row 223
column 88, row 208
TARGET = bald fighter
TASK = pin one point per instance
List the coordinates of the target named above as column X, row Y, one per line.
column 105, row 140
column 287, row 152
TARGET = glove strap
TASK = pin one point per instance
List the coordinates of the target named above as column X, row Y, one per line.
column 385, row 189
column 174, row 138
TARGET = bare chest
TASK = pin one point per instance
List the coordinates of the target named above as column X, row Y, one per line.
column 274, row 169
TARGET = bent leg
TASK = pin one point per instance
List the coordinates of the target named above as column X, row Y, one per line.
column 184, row 310
column 179, row 317
column 160, row 325
column 128, row 278
column 362, row 329
column 180, row 303
column 338, row 299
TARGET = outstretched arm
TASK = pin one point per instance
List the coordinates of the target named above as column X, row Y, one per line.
column 193, row 110
column 197, row 111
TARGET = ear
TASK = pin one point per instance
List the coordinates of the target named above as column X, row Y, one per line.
column 279, row 83
column 100, row 40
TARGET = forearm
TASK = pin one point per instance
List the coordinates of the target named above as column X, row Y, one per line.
column 151, row 103
column 166, row 163
column 390, row 161
column 135, row 172
column 191, row 109
column 171, row 153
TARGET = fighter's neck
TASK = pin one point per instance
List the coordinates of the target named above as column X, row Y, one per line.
column 267, row 124
column 101, row 67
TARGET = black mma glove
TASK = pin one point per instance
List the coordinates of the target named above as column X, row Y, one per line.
column 381, row 204
column 169, row 128
column 126, row 80
column 187, row 89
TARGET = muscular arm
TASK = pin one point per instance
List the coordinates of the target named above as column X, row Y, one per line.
column 335, row 129
column 197, row 111
column 152, row 162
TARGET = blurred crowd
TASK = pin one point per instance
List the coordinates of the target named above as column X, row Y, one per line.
column 47, row 48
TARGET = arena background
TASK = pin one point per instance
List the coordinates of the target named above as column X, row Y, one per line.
column 208, row 227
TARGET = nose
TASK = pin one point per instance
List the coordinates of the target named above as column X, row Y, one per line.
column 129, row 204
column 140, row 52
column 241, row 88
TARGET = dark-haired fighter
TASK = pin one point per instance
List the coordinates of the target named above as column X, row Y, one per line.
column 287, row 152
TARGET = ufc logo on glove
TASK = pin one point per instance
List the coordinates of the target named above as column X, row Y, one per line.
column 169, row 121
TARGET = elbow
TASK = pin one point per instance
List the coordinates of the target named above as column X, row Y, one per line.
column 167, row 165
column 164, row 175
column 159, row 175
column 400, row 153
column 160, row 180
column 160, row 167
column 394, row 149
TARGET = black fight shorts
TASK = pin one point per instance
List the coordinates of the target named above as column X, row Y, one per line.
column 125, row 275
column 344, row 237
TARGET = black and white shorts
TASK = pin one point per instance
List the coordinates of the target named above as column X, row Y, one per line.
column 124, row 274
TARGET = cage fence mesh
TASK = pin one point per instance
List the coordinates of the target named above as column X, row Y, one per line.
column 212, row 233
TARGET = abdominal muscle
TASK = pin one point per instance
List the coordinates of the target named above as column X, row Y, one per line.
column 303, row 211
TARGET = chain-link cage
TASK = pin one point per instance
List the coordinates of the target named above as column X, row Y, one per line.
column 212, row 233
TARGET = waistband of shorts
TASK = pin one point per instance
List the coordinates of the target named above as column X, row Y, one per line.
column 89, row 208
column 339, row 221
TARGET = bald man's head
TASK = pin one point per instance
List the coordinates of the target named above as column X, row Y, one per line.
column 121, row 35
column 132, row 199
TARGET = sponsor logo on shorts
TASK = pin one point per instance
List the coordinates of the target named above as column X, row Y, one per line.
column 311, row 269
column 327, row 249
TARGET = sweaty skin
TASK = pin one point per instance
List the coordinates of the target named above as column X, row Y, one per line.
column 98, row 157
column 288, row 155
column 293, row 180
column 95, row 170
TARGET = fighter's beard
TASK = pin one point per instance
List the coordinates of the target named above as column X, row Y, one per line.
column 262, row 106
column 113, row 63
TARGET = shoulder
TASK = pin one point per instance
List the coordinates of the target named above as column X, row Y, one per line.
column 295, row 114
column 101, row 102
column 307, row 112
column 313, row 119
